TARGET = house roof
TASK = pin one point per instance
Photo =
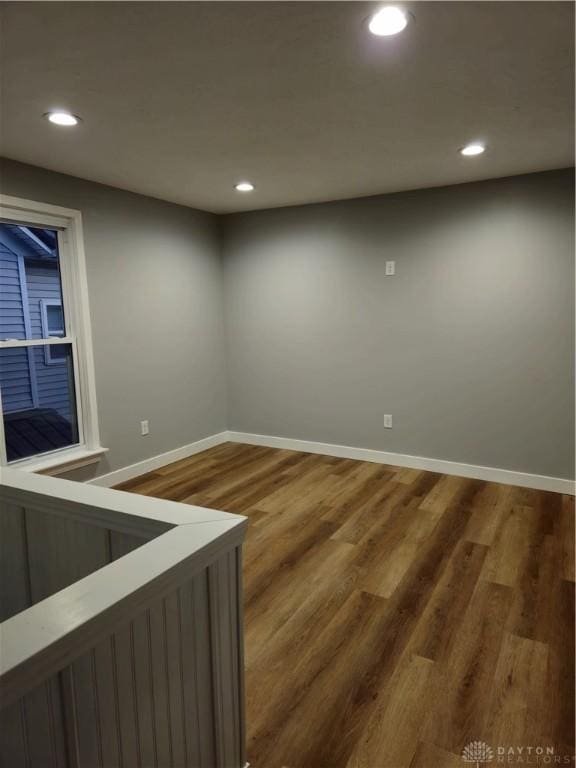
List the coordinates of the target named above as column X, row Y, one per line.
column 30, row 241
column 34, row 431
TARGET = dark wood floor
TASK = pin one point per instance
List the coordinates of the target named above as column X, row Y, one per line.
column 392, row 615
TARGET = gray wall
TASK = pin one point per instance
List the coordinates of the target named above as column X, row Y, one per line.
column 469, row 346
column 154, row 279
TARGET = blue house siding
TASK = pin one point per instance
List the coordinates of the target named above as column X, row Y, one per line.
column 53, row 390
column 43, row 282
column 14, row 369
column 15, row 380
column 11, row 310
column 27, row 380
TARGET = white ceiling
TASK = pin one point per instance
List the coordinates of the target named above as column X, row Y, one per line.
column 180, row 100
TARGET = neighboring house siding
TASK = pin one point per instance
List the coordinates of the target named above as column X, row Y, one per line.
column 43, row 282
column 15, row 380
column 12, row 315
column 14, row 371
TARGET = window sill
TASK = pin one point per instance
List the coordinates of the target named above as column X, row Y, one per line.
column 63, row 461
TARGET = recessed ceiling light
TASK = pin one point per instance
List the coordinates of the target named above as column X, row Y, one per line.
column 472, row 149
column 62, row 118
column 388, row 21
column 244, row 186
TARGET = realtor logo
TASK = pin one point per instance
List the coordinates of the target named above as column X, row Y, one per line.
column 477, row 752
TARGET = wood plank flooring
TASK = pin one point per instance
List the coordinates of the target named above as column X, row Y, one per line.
column 393, row 615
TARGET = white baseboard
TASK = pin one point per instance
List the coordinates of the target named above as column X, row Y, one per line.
column 155, row 462
column 491, row 474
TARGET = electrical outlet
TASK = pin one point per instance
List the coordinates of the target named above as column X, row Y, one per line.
column 390, row 267
column 144, row 427
column 388, row 421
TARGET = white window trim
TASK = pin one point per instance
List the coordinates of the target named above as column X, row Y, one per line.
column 68, row 222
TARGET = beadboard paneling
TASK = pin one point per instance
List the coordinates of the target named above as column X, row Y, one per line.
column 162, row 690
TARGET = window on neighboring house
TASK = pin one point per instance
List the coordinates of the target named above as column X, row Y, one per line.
column 52, row 326
column 47, row 396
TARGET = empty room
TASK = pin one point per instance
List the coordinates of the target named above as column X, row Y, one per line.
column 287, row 384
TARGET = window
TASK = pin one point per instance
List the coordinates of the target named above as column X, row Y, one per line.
column 52, row 326
column 47, row 396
